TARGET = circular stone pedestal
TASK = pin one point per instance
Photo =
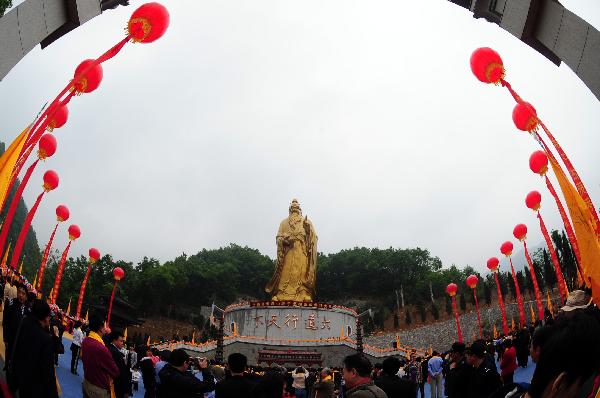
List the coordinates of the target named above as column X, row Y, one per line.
column 285, row 322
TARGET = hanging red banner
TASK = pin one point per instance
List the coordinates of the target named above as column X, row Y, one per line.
column 522, row 321
column 559, row 276
column 568, row 226
column 45, row 260
column 82, row 290
column 460, row 336
column 501, row 302
column 59, row 273
column 536, row 287
column 575, row 176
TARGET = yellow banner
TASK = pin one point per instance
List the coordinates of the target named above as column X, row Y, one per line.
column 583, row 224
column 8, row 160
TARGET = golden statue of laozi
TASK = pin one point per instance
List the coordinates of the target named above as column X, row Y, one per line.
column 296, row 268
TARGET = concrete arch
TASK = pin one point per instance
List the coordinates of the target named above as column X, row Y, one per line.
column 545, row 25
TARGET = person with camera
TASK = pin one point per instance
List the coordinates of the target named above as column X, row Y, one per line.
column 177, row 382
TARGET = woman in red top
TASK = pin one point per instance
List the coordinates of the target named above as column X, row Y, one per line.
column 508, row 365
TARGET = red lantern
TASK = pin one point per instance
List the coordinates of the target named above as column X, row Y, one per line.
column 493, row 263
column 94, row 255
column 59, row 118
column 538, row 162
column 50, row 180
column 520, row 231
column 148, row 23
column 47, row 146
column 533, row 200
column 525, row 117
column 74, row 232
column 118, row 273
column 451, row 289
column 88, row 76
column 62, row 213
column 487, row 65
column 472, row 281
column 506, row 248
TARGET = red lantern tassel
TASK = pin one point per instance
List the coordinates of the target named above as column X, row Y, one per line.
column 112, row 297
column 559, row 277
column 82, row 290
column 478, row 315
column 536, row 287
column 14, row 261
column 501, row 302
column 522, row 321
column 568, row 226
column 45, row 260
column 460, row 337
column 59, row 273
column 14, row 204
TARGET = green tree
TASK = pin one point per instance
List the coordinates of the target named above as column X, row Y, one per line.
column 487, row 292
column 396, row 321
column 435, row 311
column 448, row 305
column 4, row 5
column 463, row 302
column 422, row 313
column 408, row 318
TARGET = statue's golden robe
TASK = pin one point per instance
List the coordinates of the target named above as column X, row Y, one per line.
column 295, row 273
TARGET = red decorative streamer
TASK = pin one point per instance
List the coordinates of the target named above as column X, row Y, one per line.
column 13, row 205
column 478, row 316
column 59, row 273
column 112, row 297
column 568, row 227
column 45, row 260
column 536, row 287
column 41, row 123
column 501, row 302
column 522, row 321
column 14, row 261
column 460, row 336
column 575, row 176
column 572, row 172
column 82, row 290
column 559, row 277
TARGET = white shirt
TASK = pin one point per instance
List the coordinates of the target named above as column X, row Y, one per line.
column 77, row 337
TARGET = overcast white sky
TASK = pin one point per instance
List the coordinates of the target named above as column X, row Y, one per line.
column 367, row 112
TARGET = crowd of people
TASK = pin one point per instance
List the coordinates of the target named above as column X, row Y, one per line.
column 565, row 348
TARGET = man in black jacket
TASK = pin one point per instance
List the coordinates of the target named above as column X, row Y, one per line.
column 393, row 385
column 459, row 375
column 14, row 311
column 485, row 378
column 237, row 385
column 34, row 355
column 177, row 382
column 123, row 382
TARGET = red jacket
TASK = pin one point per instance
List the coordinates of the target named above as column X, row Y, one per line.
column 508, row 364
column 98, row 364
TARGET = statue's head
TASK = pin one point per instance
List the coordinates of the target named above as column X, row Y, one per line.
column 295, row 207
